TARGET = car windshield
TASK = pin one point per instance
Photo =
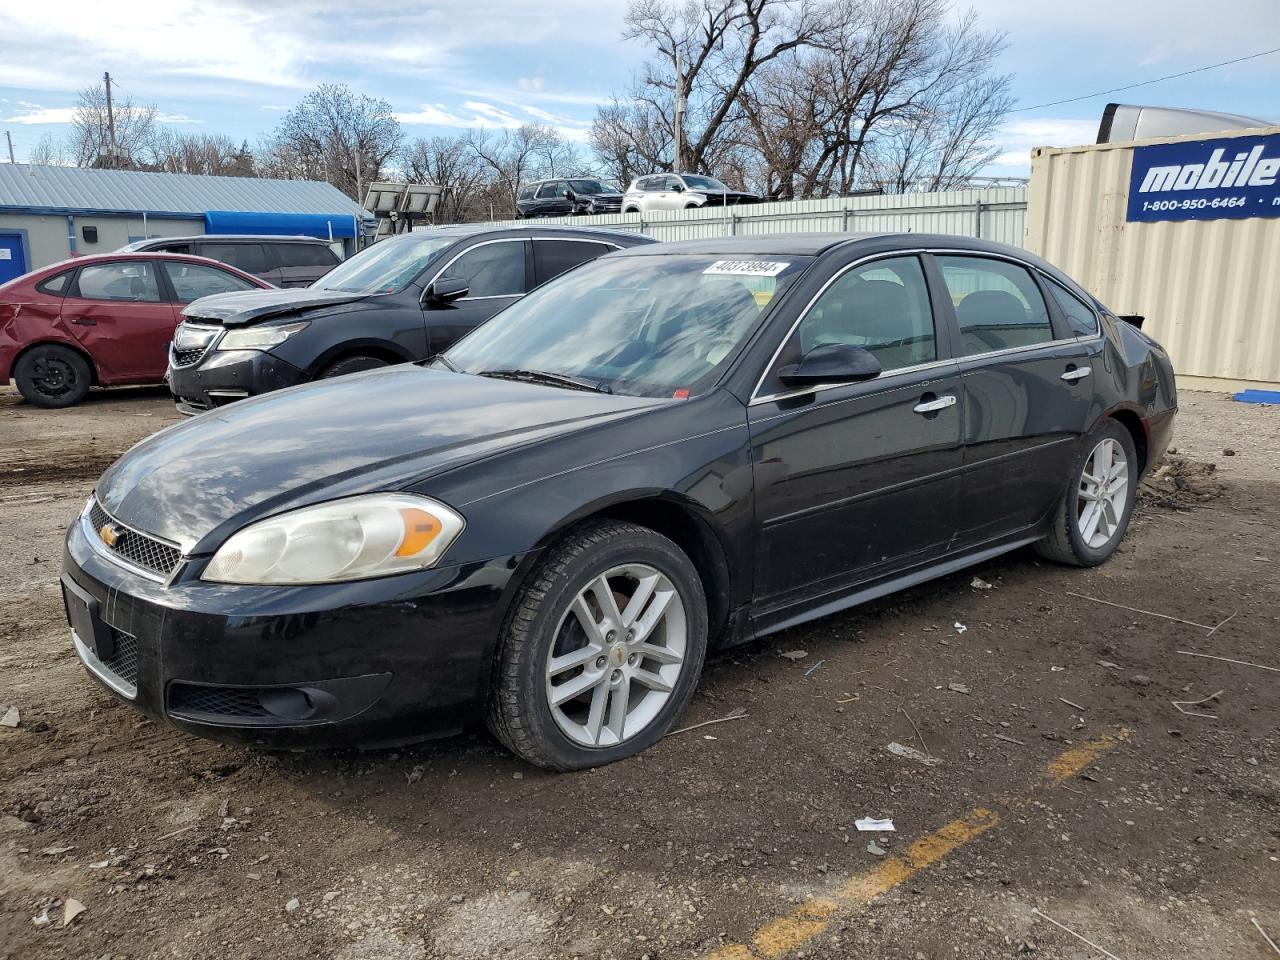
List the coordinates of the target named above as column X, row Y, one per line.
column 704, row 183
column 385, row 267
column 590, row 186
column 651, row 326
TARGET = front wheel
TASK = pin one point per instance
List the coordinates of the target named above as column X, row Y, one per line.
column 351, row 365
column 52, row 376
column 602, row 648
column 1094, row 512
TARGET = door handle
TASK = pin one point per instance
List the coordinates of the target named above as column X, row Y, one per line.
column 1076, row 373
column 933, row 406
column 85, row 321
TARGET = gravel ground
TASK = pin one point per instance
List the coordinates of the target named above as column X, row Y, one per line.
column 734, row 840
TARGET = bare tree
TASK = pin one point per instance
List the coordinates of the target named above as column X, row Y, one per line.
column 513, row 157
column 629, row 139
column 212, row 154
column 335, row 135
column 90, row 138
column 51, row 151
column 450, row 163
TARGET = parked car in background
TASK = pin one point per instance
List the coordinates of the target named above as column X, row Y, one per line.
column 405, row 298
column 103, row 320
column 281, row 261
column 675, row 448
column 562, row 198
column 681, row 191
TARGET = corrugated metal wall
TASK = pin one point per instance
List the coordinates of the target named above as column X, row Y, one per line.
column 1210, row 289
column 994, row 214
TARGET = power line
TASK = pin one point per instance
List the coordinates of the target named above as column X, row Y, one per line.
column 1146, row 83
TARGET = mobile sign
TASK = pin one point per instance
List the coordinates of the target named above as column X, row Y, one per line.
column 1235, row 178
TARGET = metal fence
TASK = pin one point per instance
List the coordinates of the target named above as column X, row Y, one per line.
column 993, row 214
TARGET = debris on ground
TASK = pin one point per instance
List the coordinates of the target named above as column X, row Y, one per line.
column 293, row 905
column 979, row 584
column 958, row 688
column 871, row 824
column 960, row 627
column 72, row 910
column 875, row 849
column 794, row 655
column 1178, row 483
column 814, row 667
column 11, row 718
column 911, row 753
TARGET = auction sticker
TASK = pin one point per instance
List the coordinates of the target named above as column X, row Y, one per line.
column 747, row 268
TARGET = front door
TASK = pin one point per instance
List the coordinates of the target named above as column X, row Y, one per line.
column 498, row 273
column 857, row 480
column 116, row 311
column 12, row 258
column 1022, row 417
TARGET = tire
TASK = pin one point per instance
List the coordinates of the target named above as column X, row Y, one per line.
column 1066, row 541
column 542, row 619
column 347, row 365
column 52, row 376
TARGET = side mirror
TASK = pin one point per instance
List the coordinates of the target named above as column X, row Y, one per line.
column 446, row 290
column 831, row 363
column 677, row 188
column 569, row 195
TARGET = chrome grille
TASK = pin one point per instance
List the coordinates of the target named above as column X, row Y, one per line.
column 133, row 547
column 191, row 341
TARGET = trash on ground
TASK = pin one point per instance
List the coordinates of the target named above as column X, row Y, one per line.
column 43, row 919
column 794, row 655
column 957, row 688
column 11, row 718
column 72, row 910
column 1007, row 739
column 871, row 824
column 911, row 753
column 979, row 584
column 1179, row 704
column 960, row 627
column 875, row 849
column 814, row 667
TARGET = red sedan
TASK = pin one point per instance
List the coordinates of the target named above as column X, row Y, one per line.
column 103, row 320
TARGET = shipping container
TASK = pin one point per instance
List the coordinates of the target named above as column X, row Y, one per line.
column 1184, row 231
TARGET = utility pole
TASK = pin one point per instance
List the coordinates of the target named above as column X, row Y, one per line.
column 678, row 160
column 9, row 136
column 111, row 121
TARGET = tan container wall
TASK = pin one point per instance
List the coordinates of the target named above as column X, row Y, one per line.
column 1210, row 289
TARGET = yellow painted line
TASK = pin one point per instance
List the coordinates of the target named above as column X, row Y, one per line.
column 811, row 918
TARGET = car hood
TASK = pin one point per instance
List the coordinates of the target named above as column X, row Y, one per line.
column 251, row 306
column 198, row 481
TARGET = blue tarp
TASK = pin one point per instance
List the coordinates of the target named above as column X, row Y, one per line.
column 337, row 226
column 1259, row 396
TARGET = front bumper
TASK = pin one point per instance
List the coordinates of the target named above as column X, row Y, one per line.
column 371, row 662
column 224, row 376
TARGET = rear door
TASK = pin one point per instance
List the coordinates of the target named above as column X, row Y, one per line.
column 302, row 264
column 553, row 257
column 498, row 273
column 249, row 257
column 118, row 312
column 855, row 481
column 1026, row 399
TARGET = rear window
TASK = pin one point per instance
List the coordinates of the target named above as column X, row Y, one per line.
column 248, row 257
column 304, row 255
column 1080, row 317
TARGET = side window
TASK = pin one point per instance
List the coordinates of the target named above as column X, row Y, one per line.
column 304, row 255
column 172, row 248
column 492, row 269
column 998, row 304
column 191, row 281
column 249, row 257
column 129, row 280
column 652, row 184
column 672, row 183
column 547, row 191
column 882, row 306
column 526, row 193
column 553, row 257
column 1080, row 317
column 56, row 286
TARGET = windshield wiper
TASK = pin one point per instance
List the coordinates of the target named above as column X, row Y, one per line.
column 547, row 377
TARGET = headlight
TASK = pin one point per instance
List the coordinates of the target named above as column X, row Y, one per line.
column 260, row 338
column 352, row 539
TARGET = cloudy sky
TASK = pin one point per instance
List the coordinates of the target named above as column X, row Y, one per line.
column 232, row 66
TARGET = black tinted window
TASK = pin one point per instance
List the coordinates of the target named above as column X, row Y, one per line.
column 652, row 183
column 248, row 257
column 304, row 255
column 883, row 307
column 57, row 284
column 191, row 281
column 172, row 248
column 548, row 191
column 553, row 257
column 491, row 269
column 998, row 304
column 1082, row 320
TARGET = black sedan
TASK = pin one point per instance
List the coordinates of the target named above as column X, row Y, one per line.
column 671, row 449
column 401, row 299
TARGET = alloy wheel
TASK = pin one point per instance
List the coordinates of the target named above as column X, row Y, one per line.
column 1103, row 493
column 619, row 651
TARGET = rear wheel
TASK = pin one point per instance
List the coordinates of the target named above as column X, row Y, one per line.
column 52, row 376
column 352, row 365
column 602, row 649
column 1094, row 512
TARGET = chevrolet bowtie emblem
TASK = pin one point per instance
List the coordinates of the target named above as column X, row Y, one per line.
column 109, row 533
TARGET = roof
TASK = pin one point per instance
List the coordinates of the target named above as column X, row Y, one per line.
column 471, row 229
column 222, row 237
column 814, row 244
column 53, row 189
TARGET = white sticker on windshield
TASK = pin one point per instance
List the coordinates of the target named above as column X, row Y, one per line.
column 747, row 268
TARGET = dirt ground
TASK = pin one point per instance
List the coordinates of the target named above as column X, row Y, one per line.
column 1067, row 781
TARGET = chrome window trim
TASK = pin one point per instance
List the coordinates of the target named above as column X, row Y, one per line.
column 757, row 398
column 95, row 666
column 476, row 246
column 1097, row 320
column 100, row 548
